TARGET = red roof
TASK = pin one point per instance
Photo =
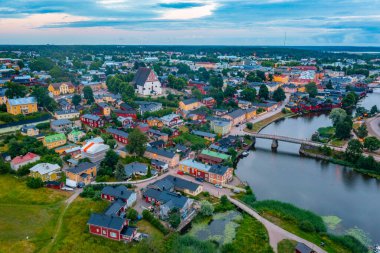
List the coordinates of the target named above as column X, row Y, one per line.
column 23, row 159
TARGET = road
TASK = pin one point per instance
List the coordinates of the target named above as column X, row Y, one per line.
column 373, row 126
column 276, row 233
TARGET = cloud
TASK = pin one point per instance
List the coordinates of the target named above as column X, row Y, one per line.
column 188, row 13
column 180, row 5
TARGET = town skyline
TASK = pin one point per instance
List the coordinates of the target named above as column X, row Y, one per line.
column 191, row 22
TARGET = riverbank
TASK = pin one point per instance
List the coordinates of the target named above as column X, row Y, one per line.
column 258, row 126
column 334, row 158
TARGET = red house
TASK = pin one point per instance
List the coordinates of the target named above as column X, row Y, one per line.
column 92, row 120
column 112, row 227
column 118, row 135
column 199, row 85
column 126, row 113
column 209, row 101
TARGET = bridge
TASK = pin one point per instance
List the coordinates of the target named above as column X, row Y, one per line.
column 276, row 138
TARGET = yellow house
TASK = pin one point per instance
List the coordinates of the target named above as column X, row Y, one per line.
column 153, row 121
column 3, row 98
column 189, row 104
column 61, row 88
column 22, row 105
column 55, row 140
column 45, row 171
column 83, row 172
column 281, row 78
column 250, row 113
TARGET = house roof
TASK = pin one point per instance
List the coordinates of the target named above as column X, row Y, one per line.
column 23, row 159
column 141, row 76
column 81, row 167
column 215, row 154
column 63, row 112
column 114, row 207
column 160, row 152
column 190, row 101
column 194, row 164
column 236, row 114
column 303, row 248
column 93, row 147
column 203, row 134
column 128, row 231
column 170, row 199
column 45, row 168
column 120, row 191
column 135, row 167
column 55, row 137
column 103, row 220
column 22, row 101
column 170, row 181
column 117, row 132
column 61, row 122
column 91, row 116
column 218, row 169
column 57, row 85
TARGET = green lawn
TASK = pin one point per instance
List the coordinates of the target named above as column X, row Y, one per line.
column 326, row 132
column 27, row 213
column 286, row 246
column 257, row 127
column 74, row 235
column 337, row 143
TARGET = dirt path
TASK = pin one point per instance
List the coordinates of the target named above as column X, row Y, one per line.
column 276, row 233
column 68, row 201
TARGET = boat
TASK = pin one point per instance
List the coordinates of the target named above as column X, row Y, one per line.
column 245, row 153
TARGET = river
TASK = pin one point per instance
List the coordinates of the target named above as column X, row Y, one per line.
column 324, row 188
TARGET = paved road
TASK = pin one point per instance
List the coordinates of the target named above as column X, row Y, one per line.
column 276, row 233
column 373, row 126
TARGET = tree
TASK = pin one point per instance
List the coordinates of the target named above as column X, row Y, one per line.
column 76, row 99
column 229, row 91
column 349, row 100
column 312, row 89
column 263, row 92
column 249, row 125
column 176, row 83
column 136, row 142
column 120, row 172
column 337, row 115
column 58, row 74
column 343, row 130
column 374, row 110
column 329, row 85
column 149, row 172
column 249, row 94
column 216, row 81
column 362, row 131
column 132, row 214
column 261, row 75
column 110, row 160
column 279, row 94
column 15, row 90
column 207, row 209
column 196, row 93
column 174, row 218
column 41, row 64
column 4, row 167
column 34, row 183
column 43, row 98
column 371, row 143
column 88, row 95
column 354, row 150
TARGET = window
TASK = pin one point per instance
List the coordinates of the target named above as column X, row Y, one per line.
column 113, row 234
column 104, row 232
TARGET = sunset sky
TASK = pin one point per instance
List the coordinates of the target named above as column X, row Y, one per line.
column 191, row 22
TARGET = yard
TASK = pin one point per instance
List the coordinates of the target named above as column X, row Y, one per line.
column 27, row 217
column 257, row 127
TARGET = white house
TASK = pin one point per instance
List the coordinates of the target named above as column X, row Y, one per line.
column 146, row 82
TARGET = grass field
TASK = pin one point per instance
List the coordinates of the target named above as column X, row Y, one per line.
column 257, row 127
column 286, row 246
column 74, row 235
column 27, row 213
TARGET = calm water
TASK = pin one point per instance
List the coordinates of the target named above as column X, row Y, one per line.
column 324, row 188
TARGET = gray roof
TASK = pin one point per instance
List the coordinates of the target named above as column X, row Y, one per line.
column 22, row 101
column 171, row 181
column 160, row 152
column 81, row 167
column 218, row 169
column 237, row 113
column 61, row 122
column 103, row 220
column 66, row 112
column 135, row 167
column 117, row 132
column 167, row 198
column 128, row 231
column 141, row 76
column 91, row 116
column 203, row 134
column 120, row 191
column 114, row 207
column 303, row 248
column 190, row 101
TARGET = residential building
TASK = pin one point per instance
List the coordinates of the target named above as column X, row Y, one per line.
column 189, row 104
column 3, row 97
column 111, row 227
column 30, row 130
column 172, row 183
column 105, row 109
column 55, row 140
column 144, row 106
column 66, row 114
column 250, row 113
column 20, row 161
column 159, row 166
column 205, row 135
column 126, row 121
column 83, row 173
column 61, row 88
column 171, row 158
column 25, row 105
column 221, row 126
column 209, row 102
column 303, row 248
column 94, row 151
column 215, row 174
column 92, row 120
column 46, row 171
column 61, row 125
column 75, row 136
column 171, row 120
column 158, row 135
column 154, row 122
column 62, row 149
column 146, row 82
column 136, row 168
column 118, row 135
column 212, row 157
column 121, row 192
column 237, row 117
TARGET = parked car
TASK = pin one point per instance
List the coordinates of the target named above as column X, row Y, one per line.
column 219, row 186
column 180, row 172
column 199, row 179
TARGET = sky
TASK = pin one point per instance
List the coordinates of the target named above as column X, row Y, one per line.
column 191, row 22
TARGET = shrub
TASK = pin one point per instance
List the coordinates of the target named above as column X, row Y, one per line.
column 306, row 226
column 155, row 222
column 34, row 183
column 351, row 243
column 132, row 214
column 207, row 209
column 224, row 205
column 249, row 125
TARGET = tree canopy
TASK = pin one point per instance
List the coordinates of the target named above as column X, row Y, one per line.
column 136, row 142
